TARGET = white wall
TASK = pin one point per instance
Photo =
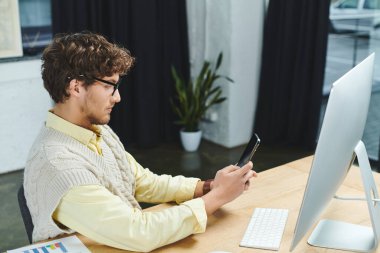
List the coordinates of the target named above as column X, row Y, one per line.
column 234, row 27
column 24, row 104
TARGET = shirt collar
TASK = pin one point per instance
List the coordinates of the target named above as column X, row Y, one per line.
column 79, row 133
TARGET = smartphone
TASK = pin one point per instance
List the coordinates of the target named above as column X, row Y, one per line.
column 249, row 150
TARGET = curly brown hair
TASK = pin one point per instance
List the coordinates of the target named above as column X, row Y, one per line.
column 81, row 56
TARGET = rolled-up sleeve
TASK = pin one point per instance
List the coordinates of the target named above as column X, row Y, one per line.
column 103, row 217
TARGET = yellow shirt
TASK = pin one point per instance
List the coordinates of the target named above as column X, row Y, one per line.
column 89, row 138
column 111, row 221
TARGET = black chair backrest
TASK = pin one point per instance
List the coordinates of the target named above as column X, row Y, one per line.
column 27, row 218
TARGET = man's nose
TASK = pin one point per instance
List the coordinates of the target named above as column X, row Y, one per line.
column 116, row 96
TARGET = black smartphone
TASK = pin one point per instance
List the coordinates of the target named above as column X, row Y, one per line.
column 249, row 150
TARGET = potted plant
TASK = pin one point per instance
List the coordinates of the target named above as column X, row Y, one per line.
column 193, row 98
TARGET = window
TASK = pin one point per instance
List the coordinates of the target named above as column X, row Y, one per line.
column 35, row 19
column 347, row 4
column 354, row 34
column 371, row 4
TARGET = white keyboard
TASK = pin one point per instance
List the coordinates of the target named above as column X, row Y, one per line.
column 265, row 229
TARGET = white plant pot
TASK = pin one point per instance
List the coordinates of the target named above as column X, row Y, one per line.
column 190, row 140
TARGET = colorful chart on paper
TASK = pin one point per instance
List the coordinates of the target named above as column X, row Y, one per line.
column 68, row 244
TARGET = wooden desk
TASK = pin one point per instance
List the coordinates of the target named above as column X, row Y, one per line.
column 280, row 187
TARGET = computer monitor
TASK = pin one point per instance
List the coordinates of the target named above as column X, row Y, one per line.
column 339, row 141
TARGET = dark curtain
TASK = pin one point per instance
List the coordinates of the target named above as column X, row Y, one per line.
column 155, row 31
column 292, row 71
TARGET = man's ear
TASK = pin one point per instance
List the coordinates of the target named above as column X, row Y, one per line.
column 74, row 88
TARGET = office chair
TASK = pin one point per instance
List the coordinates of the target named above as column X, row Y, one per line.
column 26, row 217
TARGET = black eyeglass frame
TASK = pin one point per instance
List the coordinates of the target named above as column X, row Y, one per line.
column 115, row 85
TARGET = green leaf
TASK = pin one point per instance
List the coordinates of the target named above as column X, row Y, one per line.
column 219, row 61
column 227, row 78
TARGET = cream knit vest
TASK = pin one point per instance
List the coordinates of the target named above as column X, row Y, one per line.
column 58, row 162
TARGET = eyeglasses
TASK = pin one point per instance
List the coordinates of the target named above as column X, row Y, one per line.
column 115, row 85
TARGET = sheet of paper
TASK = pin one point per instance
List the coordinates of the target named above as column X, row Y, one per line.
column 68, row 244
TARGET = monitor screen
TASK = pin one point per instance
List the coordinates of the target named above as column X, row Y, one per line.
column 341, row 131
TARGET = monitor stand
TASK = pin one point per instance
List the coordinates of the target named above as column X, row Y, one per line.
column 352, row 237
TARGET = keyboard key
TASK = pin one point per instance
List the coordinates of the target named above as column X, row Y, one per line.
column 265, row 228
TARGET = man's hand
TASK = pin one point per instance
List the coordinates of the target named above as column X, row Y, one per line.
column 229, row 183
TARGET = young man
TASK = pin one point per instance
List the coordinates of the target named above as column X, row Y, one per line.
column 78, row 176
